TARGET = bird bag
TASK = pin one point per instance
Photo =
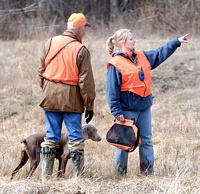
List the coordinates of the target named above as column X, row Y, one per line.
column 124, row 135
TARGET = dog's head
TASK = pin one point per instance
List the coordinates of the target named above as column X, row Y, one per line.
column 90, row 132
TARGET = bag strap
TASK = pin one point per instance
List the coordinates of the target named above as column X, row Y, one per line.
column 137, row 141
column 60, row 50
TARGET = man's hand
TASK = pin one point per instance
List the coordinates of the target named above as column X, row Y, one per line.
column 88, row 115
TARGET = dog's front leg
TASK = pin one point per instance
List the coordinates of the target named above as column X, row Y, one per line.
column 64, row 160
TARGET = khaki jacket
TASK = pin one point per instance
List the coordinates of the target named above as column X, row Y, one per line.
column 61, row 97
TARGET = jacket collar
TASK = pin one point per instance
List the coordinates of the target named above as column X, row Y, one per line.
column 72, row 34
column 118, row 52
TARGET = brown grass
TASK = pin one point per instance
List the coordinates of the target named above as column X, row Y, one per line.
column 176, row 123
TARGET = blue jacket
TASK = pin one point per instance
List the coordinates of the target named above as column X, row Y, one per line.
column 122, row 101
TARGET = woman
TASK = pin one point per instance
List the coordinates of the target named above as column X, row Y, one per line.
column 128, row 90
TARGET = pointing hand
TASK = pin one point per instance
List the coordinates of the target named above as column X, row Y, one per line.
column 184, row 39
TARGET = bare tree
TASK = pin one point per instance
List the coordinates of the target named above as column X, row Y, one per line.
column 25, row 19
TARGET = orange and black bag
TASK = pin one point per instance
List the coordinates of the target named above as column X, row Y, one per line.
column 124, row 135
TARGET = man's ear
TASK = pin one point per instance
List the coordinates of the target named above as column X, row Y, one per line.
column 80, row 30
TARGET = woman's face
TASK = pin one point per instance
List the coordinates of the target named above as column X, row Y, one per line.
column 129, row 45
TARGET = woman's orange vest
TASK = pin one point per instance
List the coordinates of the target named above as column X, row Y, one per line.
column 63, row 67
column 130, row 74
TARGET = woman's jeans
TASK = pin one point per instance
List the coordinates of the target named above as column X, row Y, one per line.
column 54, row 122
column 146, row 153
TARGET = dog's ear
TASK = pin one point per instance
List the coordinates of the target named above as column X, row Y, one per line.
column 85, row 131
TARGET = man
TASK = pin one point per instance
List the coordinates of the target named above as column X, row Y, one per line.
column 67, row 81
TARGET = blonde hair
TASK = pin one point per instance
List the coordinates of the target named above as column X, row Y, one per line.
column 115, row 40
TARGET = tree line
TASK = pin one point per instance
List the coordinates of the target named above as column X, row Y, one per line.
column 29, row 19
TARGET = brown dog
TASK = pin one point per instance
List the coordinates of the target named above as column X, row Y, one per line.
column 30, row 149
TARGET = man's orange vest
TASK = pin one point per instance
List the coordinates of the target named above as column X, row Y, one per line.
column 130, row 74
column 63, row 67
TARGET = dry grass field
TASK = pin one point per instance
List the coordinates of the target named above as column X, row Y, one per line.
column 176, row 123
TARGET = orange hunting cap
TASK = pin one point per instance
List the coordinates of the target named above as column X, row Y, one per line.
column 77, row 20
